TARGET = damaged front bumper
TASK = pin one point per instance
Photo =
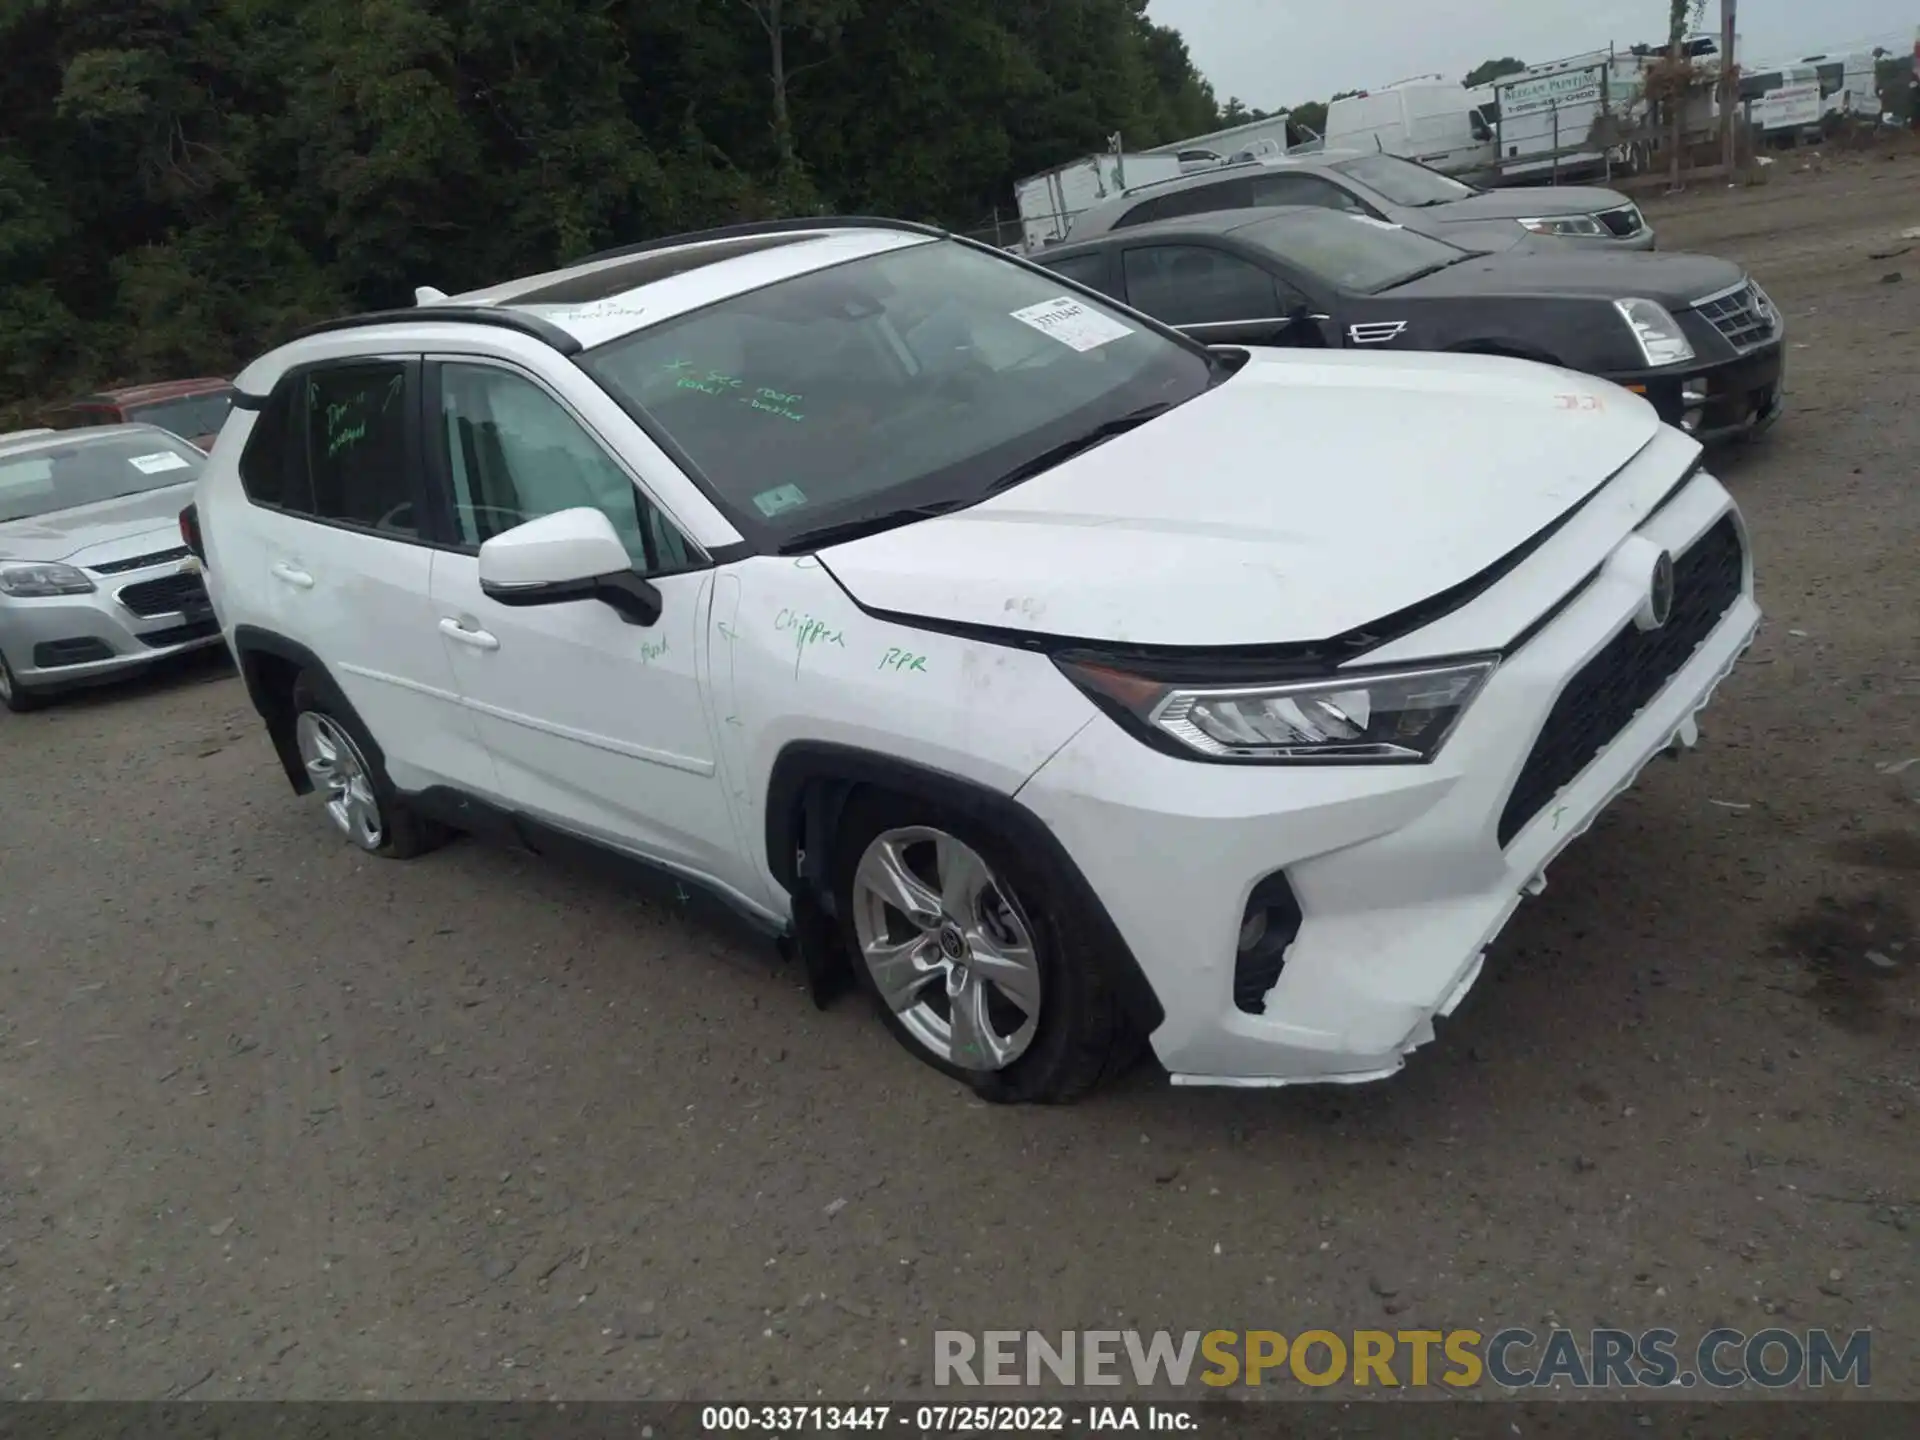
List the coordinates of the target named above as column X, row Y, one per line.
column 1403, row 875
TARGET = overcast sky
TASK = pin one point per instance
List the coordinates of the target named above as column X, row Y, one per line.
column 1274, row 53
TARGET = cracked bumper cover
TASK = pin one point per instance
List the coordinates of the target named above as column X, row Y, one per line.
column 1398, row 870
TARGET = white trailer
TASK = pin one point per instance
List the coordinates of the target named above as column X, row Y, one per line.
column 1245, row 141
column 1049, row 202
column 1545, row 117
column 1546, row 113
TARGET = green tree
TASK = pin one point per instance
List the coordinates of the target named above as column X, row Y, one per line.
column 1488, row 71
column 184, row 182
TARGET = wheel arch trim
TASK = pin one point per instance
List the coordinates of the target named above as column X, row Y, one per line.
column 252, row 644
column 807, row 789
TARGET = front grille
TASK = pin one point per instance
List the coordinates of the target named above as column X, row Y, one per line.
column 52, row 654
column 1623, row 222
column 1633, row 668
column 1745, row 317
column 140, row 562
column 165, row 596
column 180, row 634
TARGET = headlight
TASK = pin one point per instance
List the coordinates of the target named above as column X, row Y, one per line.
column 1662, row 341
column 1391, row 716
column 1563, row 225
column 1659, row 335
column 32, row 580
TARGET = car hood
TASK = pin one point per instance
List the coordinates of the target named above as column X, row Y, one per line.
column 1524, row 202
column 100, row 533
column 1675, row 280
column 1308, row 495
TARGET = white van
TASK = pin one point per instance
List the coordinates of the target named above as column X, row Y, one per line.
column 1429, row 120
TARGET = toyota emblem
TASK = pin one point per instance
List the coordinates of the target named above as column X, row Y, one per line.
column 1659, row 605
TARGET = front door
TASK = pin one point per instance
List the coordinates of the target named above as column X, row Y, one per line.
column 1217, row 297
column 595, row 724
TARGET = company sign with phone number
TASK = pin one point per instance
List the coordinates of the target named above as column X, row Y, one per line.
column 1528, row 97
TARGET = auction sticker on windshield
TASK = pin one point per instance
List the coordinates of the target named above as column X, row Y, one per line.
column 158, row 462
column 784, row 497
column 1072, row 323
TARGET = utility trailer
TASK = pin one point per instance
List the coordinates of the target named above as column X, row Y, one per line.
column 1588, row 114
column 1246, row 141
column 1048, row 202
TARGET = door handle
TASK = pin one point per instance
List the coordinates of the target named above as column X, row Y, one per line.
column 478, row 639
column 299, row 579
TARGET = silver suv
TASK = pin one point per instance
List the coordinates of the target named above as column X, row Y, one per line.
column 95, row 577
column 1389, row 188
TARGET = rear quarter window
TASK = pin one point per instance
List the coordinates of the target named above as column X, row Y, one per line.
column 269, row 469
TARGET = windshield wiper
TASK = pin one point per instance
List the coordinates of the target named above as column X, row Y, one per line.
column 1086, row 440
column 824, row 535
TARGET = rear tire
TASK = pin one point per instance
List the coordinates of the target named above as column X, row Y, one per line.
column 360, row 797
column 15, row 696
column 992, row 940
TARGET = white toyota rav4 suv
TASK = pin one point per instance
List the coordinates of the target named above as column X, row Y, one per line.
column 1069, row 683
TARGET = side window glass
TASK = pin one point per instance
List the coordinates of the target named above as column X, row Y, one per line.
column 1302, row 190
column 1223, row 195
column 354, row 444
column 515, row 454
column 1088, row 270
column 1195, row 285
column 270, row 469
column 1288, row 298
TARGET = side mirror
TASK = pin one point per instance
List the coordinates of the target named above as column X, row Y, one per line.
column 566, row 556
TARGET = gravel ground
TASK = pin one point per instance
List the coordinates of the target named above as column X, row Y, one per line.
column 277, row 1120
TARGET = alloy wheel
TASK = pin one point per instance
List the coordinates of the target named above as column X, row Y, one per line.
column 947, row 947
column 340, row 773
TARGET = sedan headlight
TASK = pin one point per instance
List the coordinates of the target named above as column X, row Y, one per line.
column 41, row 580
column 1661, row 339
column 1387, row 716
column 1581, row 225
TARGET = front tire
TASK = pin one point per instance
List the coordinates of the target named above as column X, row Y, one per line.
column 360, row 798
column 974, row 959
column 15, row 696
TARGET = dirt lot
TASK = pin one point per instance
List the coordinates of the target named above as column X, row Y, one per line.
column 277, row 1120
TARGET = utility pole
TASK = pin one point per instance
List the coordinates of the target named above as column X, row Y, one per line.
column 1729, row 90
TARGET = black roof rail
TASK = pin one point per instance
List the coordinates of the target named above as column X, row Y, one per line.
column 761, row 227
column 501, row 316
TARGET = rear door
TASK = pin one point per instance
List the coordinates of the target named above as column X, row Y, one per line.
column 333, row 471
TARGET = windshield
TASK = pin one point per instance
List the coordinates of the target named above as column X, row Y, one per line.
column 189, row 417
column 1402, row 181
column 1351, row 252
column 915, row 377
column 41, row 479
